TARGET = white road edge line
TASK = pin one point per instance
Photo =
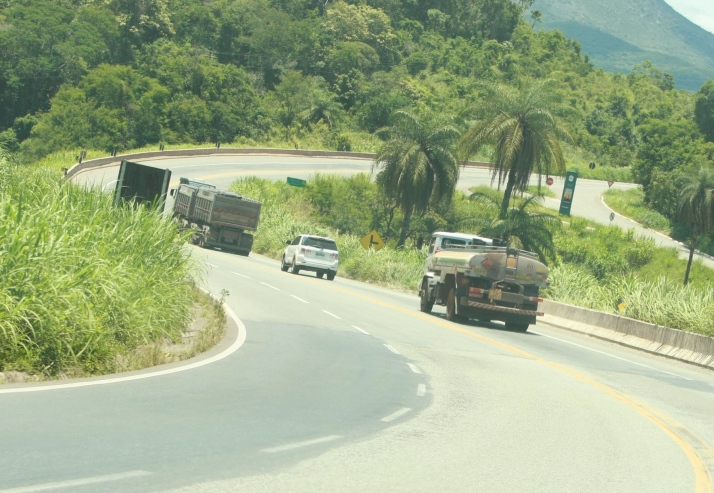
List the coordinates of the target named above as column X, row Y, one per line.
column 240, row 340
column 610, row 355
column 77, row 482
column 392, row 349
column 332, row 315
column 272, row 287
column 414, row 368
column 306, row 443
column 212, row 265
column 396, row 414
column 361, row 330
column 421, row 390
column 299, row 299
column 242, row 275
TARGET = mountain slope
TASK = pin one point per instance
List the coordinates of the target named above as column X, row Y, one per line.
column 618, row 34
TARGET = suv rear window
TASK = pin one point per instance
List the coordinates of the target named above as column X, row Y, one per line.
column 320, row 243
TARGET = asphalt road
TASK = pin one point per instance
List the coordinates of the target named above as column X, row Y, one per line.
column 222, row 170
column 343, row 386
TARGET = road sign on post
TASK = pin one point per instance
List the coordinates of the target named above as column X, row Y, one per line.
column 296, row 182
column 592, row 165
column 566, row 201
column 612, row 216
column 373, row 240
column 549, row 181
column 610, row 183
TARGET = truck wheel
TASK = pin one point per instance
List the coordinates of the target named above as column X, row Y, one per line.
column 331, row 276
column 516, row 327
column 295, row 269
column 202, row 242
column 451, row 315
column 320, row 275
column 425, row 304
column 283, row 266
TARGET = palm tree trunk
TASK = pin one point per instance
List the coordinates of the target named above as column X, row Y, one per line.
column 507, row 193
column 405, row 229
column 691, row 257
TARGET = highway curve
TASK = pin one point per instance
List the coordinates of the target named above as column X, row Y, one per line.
column 343, row 386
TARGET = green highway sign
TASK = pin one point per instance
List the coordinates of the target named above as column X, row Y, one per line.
column 566, row 201
column 296, row 182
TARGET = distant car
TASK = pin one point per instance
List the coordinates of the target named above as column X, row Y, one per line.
column 311, row 253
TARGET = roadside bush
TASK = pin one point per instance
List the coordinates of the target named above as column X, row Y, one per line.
column 83, row 281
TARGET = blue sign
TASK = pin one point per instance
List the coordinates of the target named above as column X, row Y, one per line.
column 566, row 201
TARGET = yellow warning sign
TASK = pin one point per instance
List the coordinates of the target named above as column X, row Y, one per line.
column 373, row 240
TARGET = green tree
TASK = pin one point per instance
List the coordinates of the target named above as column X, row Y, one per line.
column 524, row 132
column 523, row 227
column 704, row 110
column 696, row 206
column 418, row 163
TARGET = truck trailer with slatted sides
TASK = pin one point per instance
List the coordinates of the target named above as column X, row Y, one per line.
column 483, row 279
column 218, row 218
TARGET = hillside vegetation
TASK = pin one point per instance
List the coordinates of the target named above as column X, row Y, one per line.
column 618, row 35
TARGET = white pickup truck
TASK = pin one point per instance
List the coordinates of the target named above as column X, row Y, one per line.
column 483, row 279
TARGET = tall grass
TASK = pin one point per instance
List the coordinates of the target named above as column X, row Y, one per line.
column 658, row 302
column 81, row 280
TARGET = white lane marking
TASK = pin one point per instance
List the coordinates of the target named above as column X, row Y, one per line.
column 306, row 443
column 392, row 349
column 299, row 299
column 212, row 265
column 421, row 390
column 104, row 381
column 396, row 414
column 611, row 355
column 266, row 284
column 242, row 275
column 332, row 315
column 361, row 330
column 77, row 482
column 413, row 368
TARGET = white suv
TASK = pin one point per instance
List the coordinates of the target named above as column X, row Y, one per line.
column 314, row 253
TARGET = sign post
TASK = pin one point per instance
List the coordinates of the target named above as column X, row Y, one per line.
column 566, row 201
column 612, row 217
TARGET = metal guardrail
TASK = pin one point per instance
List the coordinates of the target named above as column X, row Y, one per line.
column 228, row 151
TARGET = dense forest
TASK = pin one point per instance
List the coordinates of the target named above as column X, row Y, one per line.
column 121, row 74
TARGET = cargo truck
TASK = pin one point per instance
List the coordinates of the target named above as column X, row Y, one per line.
column 218, row 218
column 482, row 278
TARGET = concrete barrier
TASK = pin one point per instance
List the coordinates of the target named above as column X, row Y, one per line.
column 227, row 151
column 673, row 343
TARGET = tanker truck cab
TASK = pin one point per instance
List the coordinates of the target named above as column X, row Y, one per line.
column 482, row 278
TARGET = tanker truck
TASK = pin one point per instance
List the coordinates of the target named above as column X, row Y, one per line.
column 218, row 218
column 483, row 279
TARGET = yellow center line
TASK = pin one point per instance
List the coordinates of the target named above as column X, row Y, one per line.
column 703, row 482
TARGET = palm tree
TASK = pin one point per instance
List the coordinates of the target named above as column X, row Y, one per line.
column 323, row 107
column 522, row 227
column 696, row 206
column 524, row 133
column 418, row 163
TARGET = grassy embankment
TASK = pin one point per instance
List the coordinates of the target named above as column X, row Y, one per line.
column 86, row 288
column 597, row 265
column 630, row 203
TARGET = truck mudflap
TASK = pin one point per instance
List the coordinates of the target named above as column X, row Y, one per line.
column 487, row 306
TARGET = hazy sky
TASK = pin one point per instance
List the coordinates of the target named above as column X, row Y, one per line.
column 698, row 11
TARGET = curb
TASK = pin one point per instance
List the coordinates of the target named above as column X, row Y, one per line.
column 656, row 339
column 233, row 339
